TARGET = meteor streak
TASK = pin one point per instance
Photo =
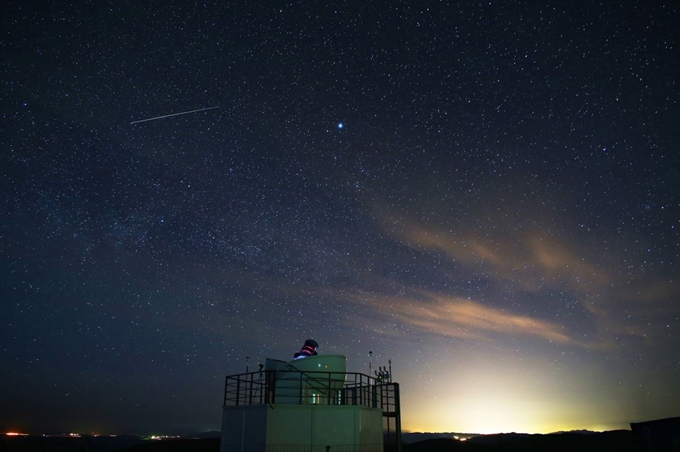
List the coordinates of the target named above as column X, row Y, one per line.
column 174, row 114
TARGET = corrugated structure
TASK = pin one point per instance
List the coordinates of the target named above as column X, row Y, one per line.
column 662, row 435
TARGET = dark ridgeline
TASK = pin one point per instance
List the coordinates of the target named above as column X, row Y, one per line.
column 179, row 445
column 65, row 443
column 613, row 441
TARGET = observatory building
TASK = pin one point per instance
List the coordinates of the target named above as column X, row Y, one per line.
column 310, row 404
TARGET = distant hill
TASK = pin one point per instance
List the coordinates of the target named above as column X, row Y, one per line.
column 447, row 445
column 178, row 445
column 613, row 441
column 65, row 443
column 414, row 437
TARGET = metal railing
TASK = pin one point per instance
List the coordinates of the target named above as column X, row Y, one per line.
column 301, row 388
column 293, row 387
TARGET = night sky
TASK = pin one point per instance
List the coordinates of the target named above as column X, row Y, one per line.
column 484, row 193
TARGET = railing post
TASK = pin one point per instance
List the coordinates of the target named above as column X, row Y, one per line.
column 397, row 407
column 250, row 390
column 226, row 385
column 374, row 396
column 328, row 396
column 238, row 390
column 270, row 387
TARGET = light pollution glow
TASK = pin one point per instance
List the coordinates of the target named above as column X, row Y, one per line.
column 488, row 367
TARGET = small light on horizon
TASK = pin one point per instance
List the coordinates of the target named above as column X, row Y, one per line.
column 162, row 437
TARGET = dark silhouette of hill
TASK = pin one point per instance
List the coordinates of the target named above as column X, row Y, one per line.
column 63, row 443
column 178, row 445
column 414, row 437
column 447, row 445
column 613, row 441
column 618, row 440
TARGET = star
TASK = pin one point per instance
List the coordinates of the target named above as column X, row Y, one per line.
column 525, row 224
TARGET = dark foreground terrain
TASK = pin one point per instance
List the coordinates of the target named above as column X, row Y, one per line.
column 619, row 441
column 105, row 444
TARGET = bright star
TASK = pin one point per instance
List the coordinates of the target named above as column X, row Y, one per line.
column 340, row 125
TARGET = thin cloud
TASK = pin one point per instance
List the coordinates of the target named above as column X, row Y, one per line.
column 532, row 260
column 536, row 262
column 461, row 318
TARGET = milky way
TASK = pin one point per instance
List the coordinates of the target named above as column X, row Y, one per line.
column 486, row 194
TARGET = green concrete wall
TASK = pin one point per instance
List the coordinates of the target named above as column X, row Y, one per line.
column 252, row 428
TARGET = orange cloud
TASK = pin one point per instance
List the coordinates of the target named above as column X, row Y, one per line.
column 538, row 262
column 461, row 318
column 532, row 260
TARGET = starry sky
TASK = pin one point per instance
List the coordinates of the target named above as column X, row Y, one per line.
column 484, row 193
